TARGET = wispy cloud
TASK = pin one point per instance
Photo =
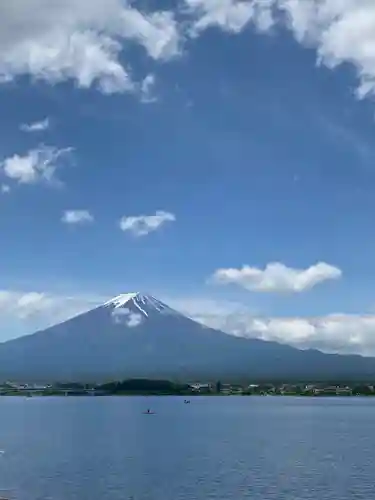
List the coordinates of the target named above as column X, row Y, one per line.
column 77, row 217
column 39, row 126
column 33, row 310
column 142, row 225
column 37, row 165
column 147, row 89
column 229, row 15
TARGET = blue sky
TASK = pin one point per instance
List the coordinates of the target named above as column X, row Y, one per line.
column 250, row 131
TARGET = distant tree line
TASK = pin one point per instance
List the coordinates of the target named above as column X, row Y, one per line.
column 167, row 387
column 144, row 386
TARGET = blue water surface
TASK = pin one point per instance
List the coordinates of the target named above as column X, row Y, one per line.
column 216, row 448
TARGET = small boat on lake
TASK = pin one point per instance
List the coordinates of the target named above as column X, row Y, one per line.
column 148, row 412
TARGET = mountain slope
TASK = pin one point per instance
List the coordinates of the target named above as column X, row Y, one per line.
column 135, row 335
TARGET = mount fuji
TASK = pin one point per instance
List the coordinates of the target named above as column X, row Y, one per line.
column 135, row 335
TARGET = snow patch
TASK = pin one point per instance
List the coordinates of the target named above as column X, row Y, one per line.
column 121, row 300
column 139, row 307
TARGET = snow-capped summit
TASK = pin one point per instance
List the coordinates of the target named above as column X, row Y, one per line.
column 121, row 300
column 143, row 303
column 136, row 335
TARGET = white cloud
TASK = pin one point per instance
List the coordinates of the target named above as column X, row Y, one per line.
column 215, row 313
column 69, row 39
column 36, row 165
column 34, row 310
column 73, row 217
column 157, row 32
column 35, row 126
column 5, row 188
column 229, row 15
column 276, row 277
column 340, row 333
column 147, row 89
column 341, row 31
column 141, row 225
column 126, row 317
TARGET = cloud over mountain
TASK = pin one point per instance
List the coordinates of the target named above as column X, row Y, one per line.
column 341, row 333
column 155, row 340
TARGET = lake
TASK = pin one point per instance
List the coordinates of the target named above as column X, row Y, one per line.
column 216, row 448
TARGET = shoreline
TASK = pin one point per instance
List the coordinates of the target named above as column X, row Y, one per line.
column 185, row 396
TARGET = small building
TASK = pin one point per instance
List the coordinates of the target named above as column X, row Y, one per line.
column 333, row 390
column 225, row 389
column 236, row 389
column 344, row 391
column 201, row 387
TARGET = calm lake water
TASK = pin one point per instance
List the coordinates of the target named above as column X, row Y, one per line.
column 215, row 448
